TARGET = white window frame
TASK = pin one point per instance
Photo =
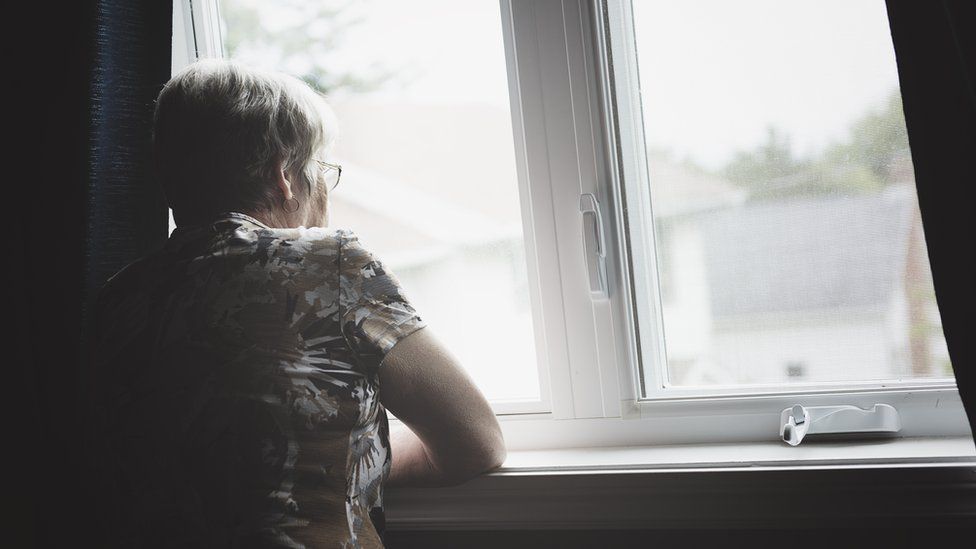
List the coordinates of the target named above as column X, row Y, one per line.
column 586, row 137
column 927, row 407
column 576, row 131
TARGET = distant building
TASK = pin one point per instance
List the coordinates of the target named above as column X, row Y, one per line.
column 798, row 289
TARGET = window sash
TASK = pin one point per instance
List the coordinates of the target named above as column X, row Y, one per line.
column 641, row 236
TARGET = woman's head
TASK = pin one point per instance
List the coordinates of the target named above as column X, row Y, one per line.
column 227, row 137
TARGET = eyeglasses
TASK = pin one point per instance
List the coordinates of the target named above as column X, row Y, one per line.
column 331, row 167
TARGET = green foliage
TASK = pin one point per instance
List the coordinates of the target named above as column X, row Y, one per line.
column 771, row 170
column 879, row 137
column 866, row 161
column 304, row 45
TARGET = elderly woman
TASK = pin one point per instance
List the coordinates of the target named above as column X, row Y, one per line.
column 241, row 365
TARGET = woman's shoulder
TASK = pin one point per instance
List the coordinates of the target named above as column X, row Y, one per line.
column 311, row 234
column 243, row 236
column 314, row 240
column 315, row 245
column 340, row 239
column 238, row 228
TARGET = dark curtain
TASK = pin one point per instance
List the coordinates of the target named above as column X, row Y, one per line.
column 85, row 78
column 935, row 45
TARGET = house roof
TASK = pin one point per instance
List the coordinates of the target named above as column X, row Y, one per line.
column 407, row 225
column 421, row 180
column 807, row 254
column 678, row 189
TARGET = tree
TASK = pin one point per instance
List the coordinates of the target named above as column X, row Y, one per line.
column 769, row 171
column 876, row 147
column 877, row 140
column 875, row 154
column 298, row 37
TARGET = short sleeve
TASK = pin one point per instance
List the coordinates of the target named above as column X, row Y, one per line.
column 375, row 313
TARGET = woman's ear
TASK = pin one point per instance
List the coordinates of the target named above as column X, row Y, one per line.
column 281, row 178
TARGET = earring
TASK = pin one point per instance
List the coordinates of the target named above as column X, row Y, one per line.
column 286, row 203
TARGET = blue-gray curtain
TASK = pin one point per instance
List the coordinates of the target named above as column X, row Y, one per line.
column 85, row 77
column 935, row 45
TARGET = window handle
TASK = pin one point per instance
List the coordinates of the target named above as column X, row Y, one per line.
column 799, row 422
column 594, row 246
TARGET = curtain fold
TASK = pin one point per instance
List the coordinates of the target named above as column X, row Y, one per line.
column 85, row 96
column 936, row 51
column 127, row 208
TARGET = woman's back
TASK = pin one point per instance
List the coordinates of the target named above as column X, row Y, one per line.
column 239, row 374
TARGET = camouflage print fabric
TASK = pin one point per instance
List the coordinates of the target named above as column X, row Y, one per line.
column 238, row 372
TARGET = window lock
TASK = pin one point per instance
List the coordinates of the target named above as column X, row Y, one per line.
column 800, row 422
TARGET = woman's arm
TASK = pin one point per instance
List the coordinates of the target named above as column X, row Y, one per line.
column 453, row 434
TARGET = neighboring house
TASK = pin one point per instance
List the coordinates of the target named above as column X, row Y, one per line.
column 680, row 196
column 812, row 288
column 800, row 289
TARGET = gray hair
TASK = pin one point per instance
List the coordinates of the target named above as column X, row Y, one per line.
column 218, row 129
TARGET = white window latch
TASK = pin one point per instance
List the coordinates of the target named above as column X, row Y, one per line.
column 798, row 422
column 594, row 246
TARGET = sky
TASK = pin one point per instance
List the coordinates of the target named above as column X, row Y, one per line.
column 714, row 74
column 449, row 50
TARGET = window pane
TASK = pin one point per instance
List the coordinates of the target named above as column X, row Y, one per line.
column 788, row 234
column 429, row 179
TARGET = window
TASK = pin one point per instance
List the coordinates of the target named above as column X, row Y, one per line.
column 678, row 232
column 767, row 193
column 782, row 189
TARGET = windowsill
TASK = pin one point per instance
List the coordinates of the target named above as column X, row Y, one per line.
column 721, row 485
column 900, row 451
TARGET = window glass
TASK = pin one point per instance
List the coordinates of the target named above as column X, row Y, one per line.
column 788, row 233
column 426, row 145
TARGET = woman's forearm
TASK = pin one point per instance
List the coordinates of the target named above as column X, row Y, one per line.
column 411, row 464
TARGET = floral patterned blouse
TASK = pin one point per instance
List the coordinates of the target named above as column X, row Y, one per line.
column 238, row 374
